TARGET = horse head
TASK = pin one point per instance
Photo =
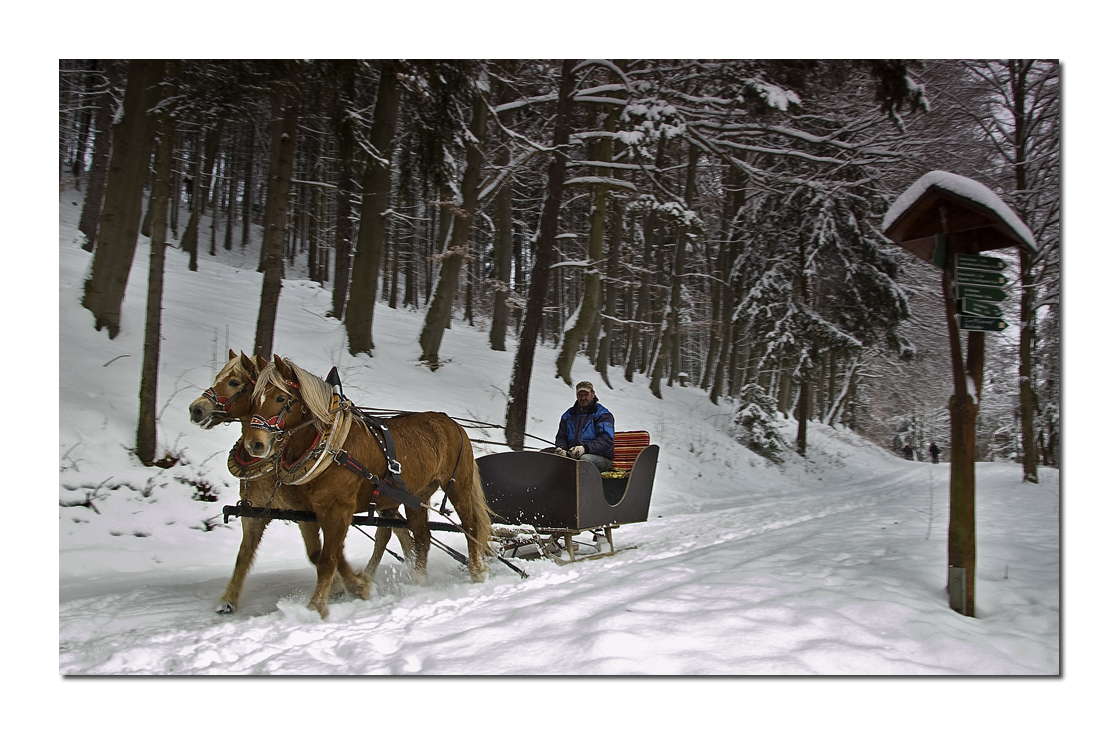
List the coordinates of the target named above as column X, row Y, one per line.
column 278, row 408
column 230, row 397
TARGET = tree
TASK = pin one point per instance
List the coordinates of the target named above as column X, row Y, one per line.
column 516, row 415
column 120, row 218
column 375, row 203
column 1021, row 120
column 285, row 119
column 600, row 181
column 457, row 249
column 160, row 195
column 102, row 147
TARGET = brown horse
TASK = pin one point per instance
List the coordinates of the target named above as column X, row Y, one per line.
column 295, row 412
column 230, row 400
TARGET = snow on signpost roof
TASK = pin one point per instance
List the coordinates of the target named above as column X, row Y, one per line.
column 964, row 187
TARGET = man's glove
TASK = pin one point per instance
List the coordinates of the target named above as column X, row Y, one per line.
column 577, row 452
column 560, row 452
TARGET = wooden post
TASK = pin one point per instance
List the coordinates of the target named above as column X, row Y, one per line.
column 963, row 408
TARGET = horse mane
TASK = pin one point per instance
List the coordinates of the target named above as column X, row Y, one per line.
column 231, row 368
column 315, row 392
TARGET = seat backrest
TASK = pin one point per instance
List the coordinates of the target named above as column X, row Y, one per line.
column 626, row 446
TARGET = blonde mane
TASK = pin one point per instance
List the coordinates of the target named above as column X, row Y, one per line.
column 315, row 392
column 232, row 368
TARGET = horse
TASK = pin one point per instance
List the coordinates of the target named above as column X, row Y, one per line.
column 298, row 415
column 229, row 400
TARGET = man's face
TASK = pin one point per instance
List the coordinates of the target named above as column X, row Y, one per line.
column 585, row 397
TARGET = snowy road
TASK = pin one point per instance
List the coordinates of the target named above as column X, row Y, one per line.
column 839, row 580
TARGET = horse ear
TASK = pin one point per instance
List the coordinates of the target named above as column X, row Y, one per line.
column 261, row 363
column 232, row 354
column 284, row 370
column 249, row 366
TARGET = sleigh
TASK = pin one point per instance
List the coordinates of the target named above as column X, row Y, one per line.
column 541, row 501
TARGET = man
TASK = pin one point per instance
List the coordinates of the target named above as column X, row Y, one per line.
column 586, row 430
column 934, row 451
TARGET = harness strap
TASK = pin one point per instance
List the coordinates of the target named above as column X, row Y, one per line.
column 387, row 444
column 385, row 486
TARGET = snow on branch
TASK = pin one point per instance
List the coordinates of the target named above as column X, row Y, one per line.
column 599, row 181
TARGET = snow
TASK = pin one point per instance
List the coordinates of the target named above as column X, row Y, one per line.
column 833, row 565
column 962, row 186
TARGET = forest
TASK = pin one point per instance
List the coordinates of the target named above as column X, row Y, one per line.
column 714, row 224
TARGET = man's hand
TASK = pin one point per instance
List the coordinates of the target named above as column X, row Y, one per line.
column 560, row 452
column 577, row 452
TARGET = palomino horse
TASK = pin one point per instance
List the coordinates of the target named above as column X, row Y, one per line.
column 298, row 415
column 230, row 400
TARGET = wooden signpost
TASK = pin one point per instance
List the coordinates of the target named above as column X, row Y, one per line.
column 948, row 221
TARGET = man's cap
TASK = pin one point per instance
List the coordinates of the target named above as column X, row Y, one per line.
column 584, row 385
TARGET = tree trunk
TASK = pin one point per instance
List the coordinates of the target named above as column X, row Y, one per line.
column 373, row 232
column 231, row 195
column 803, row 413
column 189, row 242
column 99, row 168
column 592, row 279
column 120, row 220
column 78, row 164
column 213, row 144
column 502, row 242
column 609, row 311
column 668, row 340
column 246, row 203
column 149, row 376
column 285, row 119
column 439, row 312
column 516, row 416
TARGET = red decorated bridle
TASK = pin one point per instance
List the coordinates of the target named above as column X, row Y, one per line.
column 221, row 404
column 275, row 423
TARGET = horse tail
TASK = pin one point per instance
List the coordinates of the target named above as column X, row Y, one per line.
column 481, row 508
column 475, row 495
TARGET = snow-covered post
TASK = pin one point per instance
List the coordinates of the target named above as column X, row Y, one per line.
column 948, row 220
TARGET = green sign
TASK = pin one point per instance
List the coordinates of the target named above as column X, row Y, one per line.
column 980, row 323
column 978, row 262
column 980, row 277
column 980, row 308
column 979, row 292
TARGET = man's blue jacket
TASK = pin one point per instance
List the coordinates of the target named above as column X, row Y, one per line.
column 591, row 428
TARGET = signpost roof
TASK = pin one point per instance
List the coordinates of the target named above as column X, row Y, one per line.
column 946, row 203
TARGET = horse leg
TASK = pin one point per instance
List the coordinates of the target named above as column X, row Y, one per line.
column 252, row 529
column 475, row 519
column 333, row 540
column 382, row 536
column 309, row 531
column 421, row 534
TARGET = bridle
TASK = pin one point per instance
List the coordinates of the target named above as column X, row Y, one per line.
column 275, row 423
column 221, row 404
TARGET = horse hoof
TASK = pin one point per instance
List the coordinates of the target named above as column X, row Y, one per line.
column 364, row 586
column 322, row 610
column 225, row 608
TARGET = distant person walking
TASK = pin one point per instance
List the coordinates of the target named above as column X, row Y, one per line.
column 908, row 452
column 934, row 451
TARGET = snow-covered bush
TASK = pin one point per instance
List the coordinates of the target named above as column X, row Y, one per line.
column 754, row 425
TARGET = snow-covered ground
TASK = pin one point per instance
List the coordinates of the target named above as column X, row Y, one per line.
column 833, row 565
